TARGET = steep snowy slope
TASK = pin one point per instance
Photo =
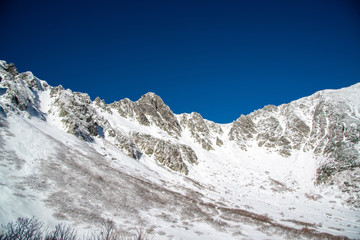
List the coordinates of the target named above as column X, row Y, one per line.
column 283, row 172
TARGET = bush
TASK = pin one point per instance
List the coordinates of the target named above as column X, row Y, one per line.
column 108, row 232
column 33, row 229
column 61, row 232
column 22, row 229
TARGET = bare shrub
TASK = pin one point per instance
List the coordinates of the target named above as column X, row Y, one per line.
column 22, row 229
column 32, row 229
column 62, row 232
column 109, row 230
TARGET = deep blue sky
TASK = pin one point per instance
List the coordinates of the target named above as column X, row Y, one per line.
column 219, row 58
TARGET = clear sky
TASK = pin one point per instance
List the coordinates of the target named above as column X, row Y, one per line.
column 219, row 58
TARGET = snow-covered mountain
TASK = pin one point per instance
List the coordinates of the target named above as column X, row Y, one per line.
column 281, row 172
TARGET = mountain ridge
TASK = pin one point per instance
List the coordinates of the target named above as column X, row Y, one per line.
column 150, row 109
column 324, row 127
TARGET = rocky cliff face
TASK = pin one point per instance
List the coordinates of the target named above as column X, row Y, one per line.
column 18, row 91
column 175, row 156
column 150, row 110
column 80, row 116
column 202, row 131
column 326, row 123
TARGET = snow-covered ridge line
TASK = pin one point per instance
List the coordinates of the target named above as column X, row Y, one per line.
column 308, row 124
column 276, row 162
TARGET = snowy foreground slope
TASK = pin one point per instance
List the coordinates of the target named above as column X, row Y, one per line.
column 286, row 172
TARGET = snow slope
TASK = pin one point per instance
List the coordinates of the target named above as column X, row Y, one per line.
column 67, row 158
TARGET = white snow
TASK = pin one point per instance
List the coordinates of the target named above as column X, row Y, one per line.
column 239, row 179
column 256, row 181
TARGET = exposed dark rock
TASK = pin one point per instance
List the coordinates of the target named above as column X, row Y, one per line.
column 199, row 129
column 31, row 81
column 167, row 153
column 78, row 115
column 128, row 109
column 19, row 96
column 219, row 142
column 10, row 68
column 242, row 130
column 150, row 109
column 159, row 113
column 127, row 146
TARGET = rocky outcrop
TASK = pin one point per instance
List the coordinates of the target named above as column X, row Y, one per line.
column 308, row 124
column 242, row 130
column 150, row 109
column 77, row 114
column 80, row 117
column 18, row 91
column 201, row 130
column 335, row 134
column 10, row 68
column 100, row 103
column 326, row 123
column 159, row 113
column 130, row 110
column 278, row 128
column 174, row 156
column 127, row 145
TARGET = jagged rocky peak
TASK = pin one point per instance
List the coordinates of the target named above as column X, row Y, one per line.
column 159, row 113
column 335, row 135
column 10, row 72
column 100, row 103
column 128, row 109
column 281, row 128
column 9, row 67
column 2, row 64
column 84, row 118
column 150, row 109
column 336, row 120
column 81, row 118
column 309, row 124
column 326, row 123
column 152, row 99
column 33, row 82
column 202, row 131
column 242, row 130
column 77, row 113
column 18, row 91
